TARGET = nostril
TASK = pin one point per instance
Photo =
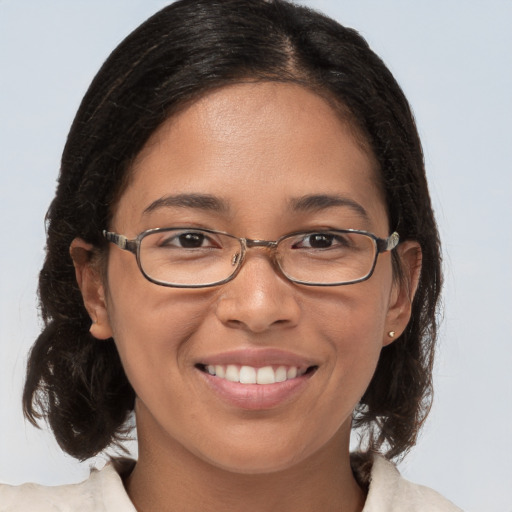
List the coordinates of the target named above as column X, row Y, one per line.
column 235, row 323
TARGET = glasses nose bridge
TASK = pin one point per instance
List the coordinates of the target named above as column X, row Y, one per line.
column 249, row 243
column 270, row 244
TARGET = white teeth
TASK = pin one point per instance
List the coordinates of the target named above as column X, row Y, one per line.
column 220, row 371
column 232, row 373
column 266, row 375
column 291, row 373
column 251, row 375
column 247, row 375
column 281, row 374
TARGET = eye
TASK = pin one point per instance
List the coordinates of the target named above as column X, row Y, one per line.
column 320, row 241
column 188, row 240
column 191, row 240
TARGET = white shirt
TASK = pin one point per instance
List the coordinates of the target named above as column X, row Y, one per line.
column 103, row 491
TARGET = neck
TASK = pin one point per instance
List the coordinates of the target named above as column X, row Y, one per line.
column 170, row 478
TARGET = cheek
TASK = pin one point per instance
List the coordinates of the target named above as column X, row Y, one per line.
column 355, row 315
column 352, row 323
column 346, row 328
column 151, row 324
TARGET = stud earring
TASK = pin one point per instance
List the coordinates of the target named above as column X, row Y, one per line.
column 391, row 334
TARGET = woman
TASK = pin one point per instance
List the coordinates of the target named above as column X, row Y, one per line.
column 242, row 251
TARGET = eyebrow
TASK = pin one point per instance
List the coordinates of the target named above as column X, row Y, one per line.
column 207, row 202
column 317, row 202
column 200, row 201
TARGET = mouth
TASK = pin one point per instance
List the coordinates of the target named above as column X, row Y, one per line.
column 257, row 380
column 264, row 375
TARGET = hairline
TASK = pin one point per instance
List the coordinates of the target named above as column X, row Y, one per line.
column 343, row 113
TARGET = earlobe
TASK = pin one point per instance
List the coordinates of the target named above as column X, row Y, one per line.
column 90, row 283
column 403, row 291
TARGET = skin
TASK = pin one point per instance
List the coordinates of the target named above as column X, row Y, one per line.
column 256, row 146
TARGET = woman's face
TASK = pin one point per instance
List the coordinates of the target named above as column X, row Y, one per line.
column 256, row 149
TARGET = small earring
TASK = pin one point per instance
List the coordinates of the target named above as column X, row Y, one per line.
column 391, row 334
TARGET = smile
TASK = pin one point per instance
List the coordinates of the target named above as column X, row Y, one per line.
column 244, row 374
column 254, row 382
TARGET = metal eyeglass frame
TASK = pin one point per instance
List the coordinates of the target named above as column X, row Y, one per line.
column 133, row 246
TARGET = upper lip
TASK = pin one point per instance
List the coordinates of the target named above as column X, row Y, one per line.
column 258, row 358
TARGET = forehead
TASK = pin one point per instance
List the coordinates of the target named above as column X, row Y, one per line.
column 260, row 143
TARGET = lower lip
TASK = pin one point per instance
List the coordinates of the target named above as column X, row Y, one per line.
column 256, row 396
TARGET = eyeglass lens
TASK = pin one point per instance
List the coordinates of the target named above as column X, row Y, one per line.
column 195, row 257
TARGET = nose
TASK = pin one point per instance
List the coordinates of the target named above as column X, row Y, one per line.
column 258, row 298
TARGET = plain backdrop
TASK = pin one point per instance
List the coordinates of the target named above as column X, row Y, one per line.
column 453, row 60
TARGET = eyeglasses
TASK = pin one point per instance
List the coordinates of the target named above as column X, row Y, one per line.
column 199, row 258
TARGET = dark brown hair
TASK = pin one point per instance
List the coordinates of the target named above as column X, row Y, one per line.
column 183, row 51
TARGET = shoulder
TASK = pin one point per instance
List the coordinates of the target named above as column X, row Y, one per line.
column 389, row 492
column 103, row 491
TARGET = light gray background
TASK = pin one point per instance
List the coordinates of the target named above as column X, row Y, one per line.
column 453, row 59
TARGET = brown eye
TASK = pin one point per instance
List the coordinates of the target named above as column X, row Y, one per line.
column 320, row 240
column 187, row 240
column 191, row 240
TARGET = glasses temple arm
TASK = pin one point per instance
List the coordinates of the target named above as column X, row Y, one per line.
column 121, row 241
column 389, row 243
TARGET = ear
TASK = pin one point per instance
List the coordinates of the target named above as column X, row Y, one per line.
column 91, row 285
column 403, row 290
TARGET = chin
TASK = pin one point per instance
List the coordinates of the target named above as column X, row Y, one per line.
column 252, row 466
column 258, row 459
